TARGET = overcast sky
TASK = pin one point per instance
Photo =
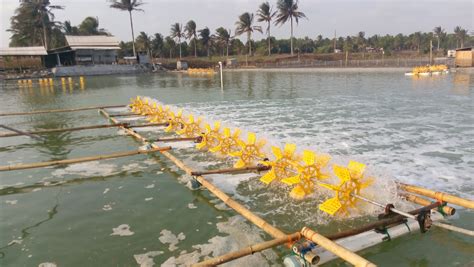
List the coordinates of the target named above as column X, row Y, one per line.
column 347, row 17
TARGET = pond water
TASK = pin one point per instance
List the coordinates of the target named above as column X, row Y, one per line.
column 139, row 211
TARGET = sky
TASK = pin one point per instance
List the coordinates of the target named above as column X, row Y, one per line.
column 346, row 17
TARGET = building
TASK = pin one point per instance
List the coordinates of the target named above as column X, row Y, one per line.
column 85, row 50
column 465, row 57
column 22, row 57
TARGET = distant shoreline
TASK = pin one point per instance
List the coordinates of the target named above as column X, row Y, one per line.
column 322, row 70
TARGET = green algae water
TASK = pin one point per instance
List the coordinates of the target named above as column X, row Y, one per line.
column 138, row 211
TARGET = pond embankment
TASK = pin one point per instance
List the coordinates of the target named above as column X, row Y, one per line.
column 94, row 70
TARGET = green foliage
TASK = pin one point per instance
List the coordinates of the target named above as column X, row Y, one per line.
column 90, row 26
column 32, row 24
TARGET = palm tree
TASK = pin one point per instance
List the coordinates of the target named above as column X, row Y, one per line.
column 361, row 40
column 177, row 33
column 416, row 40
column 205, row 35
column 144, row 43
column 224, row 37
column 460, row 36
column 157, row 44
column 245, row 25
column 287, row 10
column 438, row 31
column 128, row 5
column 191, row 32
column 69, row 29
column 45, row 16
column 265, row 13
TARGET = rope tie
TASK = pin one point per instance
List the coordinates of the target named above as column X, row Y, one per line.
column 441, row 210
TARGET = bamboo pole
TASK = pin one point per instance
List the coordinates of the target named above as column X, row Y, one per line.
column 381, row 223
column 335, row 248
column 78, row 160
column 126, row 115
column 59, row 110
column 83, row 128
column 250, row 250
column 232, row 170
column 18, row 132
column 179, row 139
column 246, row 213
column 438, row 195
column 425, row 202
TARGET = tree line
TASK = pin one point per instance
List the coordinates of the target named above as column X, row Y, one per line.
column 34, row 24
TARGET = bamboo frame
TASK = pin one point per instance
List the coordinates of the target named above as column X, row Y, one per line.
column 78, row 160
column 18, row 132
column 83, row 128
column 425, row 202
column 60, row 110
column 440, row 196
column 345, row 254
column 336, row 249
column 250, row 250
column 381, row 223
column 178, row 139
column 232, row 170
column 126, row 115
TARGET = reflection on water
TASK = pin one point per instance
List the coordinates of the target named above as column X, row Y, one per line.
column 462, row 81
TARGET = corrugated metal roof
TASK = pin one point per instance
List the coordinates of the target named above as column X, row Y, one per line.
column 92, row 42
column 23, row 51
column 95, row 47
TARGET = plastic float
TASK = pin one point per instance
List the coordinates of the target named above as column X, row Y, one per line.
column 428, row 70
column 307, row 173
column 201, row 71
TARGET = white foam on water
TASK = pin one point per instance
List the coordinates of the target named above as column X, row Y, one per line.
column 122, row 230
column 167, row 237
column 148, row 129
column 36, row 189
column 134, row 118
column 133, row 167
column 192, row 206
column 148, row 198
column 396, row 145
column 107, row 207
column 150, row 186
column 47, row 264
column 11, row 185
column 229, row 182
column 15, row 241
column 238, row 234
column 146, row 259
column 106, row 191
column 87, row 169
column 11, row 202
column 115, row 110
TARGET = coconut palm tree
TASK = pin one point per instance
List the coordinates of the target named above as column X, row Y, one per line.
column 416, row 40
column 177, row 33
column 438, row 31
column 245, row 25
column 44, row 16
column 265, row 14
column 460, row 36
column 224, row 37
column 205, row 35
column 288, row 10
column 128, row 5
column 191, row 32
column 144, row 43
